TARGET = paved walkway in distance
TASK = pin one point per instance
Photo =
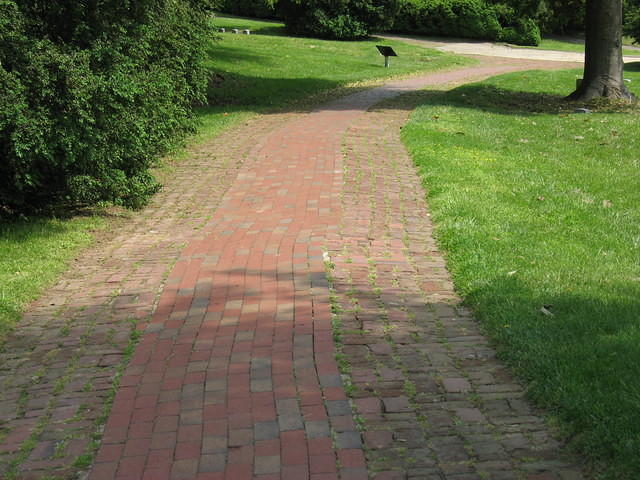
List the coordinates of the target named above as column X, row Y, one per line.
column 479, row 47
column 235, row 373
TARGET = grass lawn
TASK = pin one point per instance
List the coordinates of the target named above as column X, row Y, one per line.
column 539, row 208
column 574, row 46
column 261, row 72
column 267, row 70
column 32, row 254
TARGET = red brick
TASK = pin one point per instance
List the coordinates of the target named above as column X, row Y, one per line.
column 210, row 476
column 162, row 458
column 351, row 458
column 295, row 472
column 324, row 476
column 239, row 472
column 109, row 453
column 320, row 446
column 186, row 450
column 156, row 474
column 132, row 466
column 136, row 447
column 104, row 471
column 368, row 405
column 322, row 463
column 189, row 433
column 216, row 427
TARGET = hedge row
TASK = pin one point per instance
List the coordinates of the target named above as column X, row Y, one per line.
column 353, row 19
column 337, row 19
column 467, row 19
column 92, row 93
column 250, row 8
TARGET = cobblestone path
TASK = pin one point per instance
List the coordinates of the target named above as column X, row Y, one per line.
column 224, row 279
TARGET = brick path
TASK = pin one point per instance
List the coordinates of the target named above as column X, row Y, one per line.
column 433, row 401
column 57, row 368
column 235, row 374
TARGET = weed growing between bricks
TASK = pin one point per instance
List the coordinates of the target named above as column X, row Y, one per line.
column 433, row 402
column 85, row 460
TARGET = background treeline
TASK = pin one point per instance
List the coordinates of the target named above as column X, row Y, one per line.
column 513, row 21
column 91, row 92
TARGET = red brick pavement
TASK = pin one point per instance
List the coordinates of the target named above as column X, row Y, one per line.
column 235, row 375
column 58, row 367
column 432, row 400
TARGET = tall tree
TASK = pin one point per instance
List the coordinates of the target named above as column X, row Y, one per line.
column 603, row 65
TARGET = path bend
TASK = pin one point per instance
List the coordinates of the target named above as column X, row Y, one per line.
column 235, row 374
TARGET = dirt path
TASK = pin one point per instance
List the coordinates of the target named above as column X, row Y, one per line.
column 234, row 375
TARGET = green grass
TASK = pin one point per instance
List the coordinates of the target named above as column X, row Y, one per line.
column 537, row 206
column 573, row 45
column 268, row 71
column 32, row 254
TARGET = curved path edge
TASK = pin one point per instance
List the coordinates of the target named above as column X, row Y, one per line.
column 235, row 375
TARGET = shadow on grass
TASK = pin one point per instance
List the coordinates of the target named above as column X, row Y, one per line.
column 632, row 67
column 501, row 101
column 237, row 92
column 582, row 362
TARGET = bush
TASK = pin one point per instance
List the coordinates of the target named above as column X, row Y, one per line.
column 517, row 29
column 467, row 19
column 632, row 22
column 250, row 8
column 337, row 19
column 525, row 32
column 92, row 95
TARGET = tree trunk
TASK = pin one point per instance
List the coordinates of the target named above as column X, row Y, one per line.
column 603, row 65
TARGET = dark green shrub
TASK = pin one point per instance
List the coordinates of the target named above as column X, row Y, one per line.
column 632, row 22
column 517, row 29
column 467, row 19
column 562, row 16
column 452, row 18
column 337, row 19
column 250, row 8
column 524, row 32
column 89, row 103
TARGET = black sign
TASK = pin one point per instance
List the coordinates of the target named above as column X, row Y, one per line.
column 386, row 51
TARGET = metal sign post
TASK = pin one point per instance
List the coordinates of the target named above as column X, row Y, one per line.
column 386, row 52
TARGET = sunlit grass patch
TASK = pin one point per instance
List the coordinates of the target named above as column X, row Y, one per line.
column 538, row 211
column 33, row 253
column 268, row 71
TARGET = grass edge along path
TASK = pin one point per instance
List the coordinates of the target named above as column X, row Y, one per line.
column 33, row 253
column 537, row 212
column 572, row 45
